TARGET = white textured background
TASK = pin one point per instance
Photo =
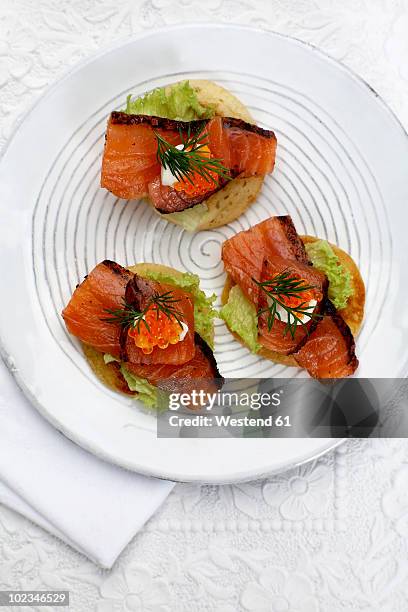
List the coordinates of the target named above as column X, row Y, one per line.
column 328, row 537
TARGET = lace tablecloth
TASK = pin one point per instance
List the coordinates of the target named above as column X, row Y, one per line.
column 328, row 537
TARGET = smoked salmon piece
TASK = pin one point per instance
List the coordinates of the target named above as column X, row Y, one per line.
column 244, row 254
column 252, row 152
column 166, row 199
column 129, row 161
column 183, row 378
column 274, row 339
column 330, row 349
column 103, row 288
column 130, row 168
column 137, row 296
column 110, row 286
column 219, row 142
column 324, row 345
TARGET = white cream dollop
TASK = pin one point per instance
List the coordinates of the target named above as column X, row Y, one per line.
column 167, row 177
column 305, row 318
column 183, row 331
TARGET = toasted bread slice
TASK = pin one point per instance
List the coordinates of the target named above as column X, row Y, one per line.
column 232, row 200
column 108, row 373
column 353, row 313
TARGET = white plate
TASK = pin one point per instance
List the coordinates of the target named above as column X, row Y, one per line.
column 341, row 173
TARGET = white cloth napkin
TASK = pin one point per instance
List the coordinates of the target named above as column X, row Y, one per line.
column 95, row 507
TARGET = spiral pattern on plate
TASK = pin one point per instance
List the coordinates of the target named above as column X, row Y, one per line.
column 320, row 179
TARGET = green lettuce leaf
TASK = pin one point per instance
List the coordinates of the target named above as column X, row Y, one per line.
column 146, row 392
column 204, row 313
column 180, row 101
column 241, row 317
column 325, row 259
column 109, row 358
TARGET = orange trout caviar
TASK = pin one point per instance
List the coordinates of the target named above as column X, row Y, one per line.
column 296, row 300
column 199, row 185
column 161, row 330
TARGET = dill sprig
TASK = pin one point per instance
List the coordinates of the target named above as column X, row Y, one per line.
column 129, row 316
column 184, row 163
column 284, row 285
